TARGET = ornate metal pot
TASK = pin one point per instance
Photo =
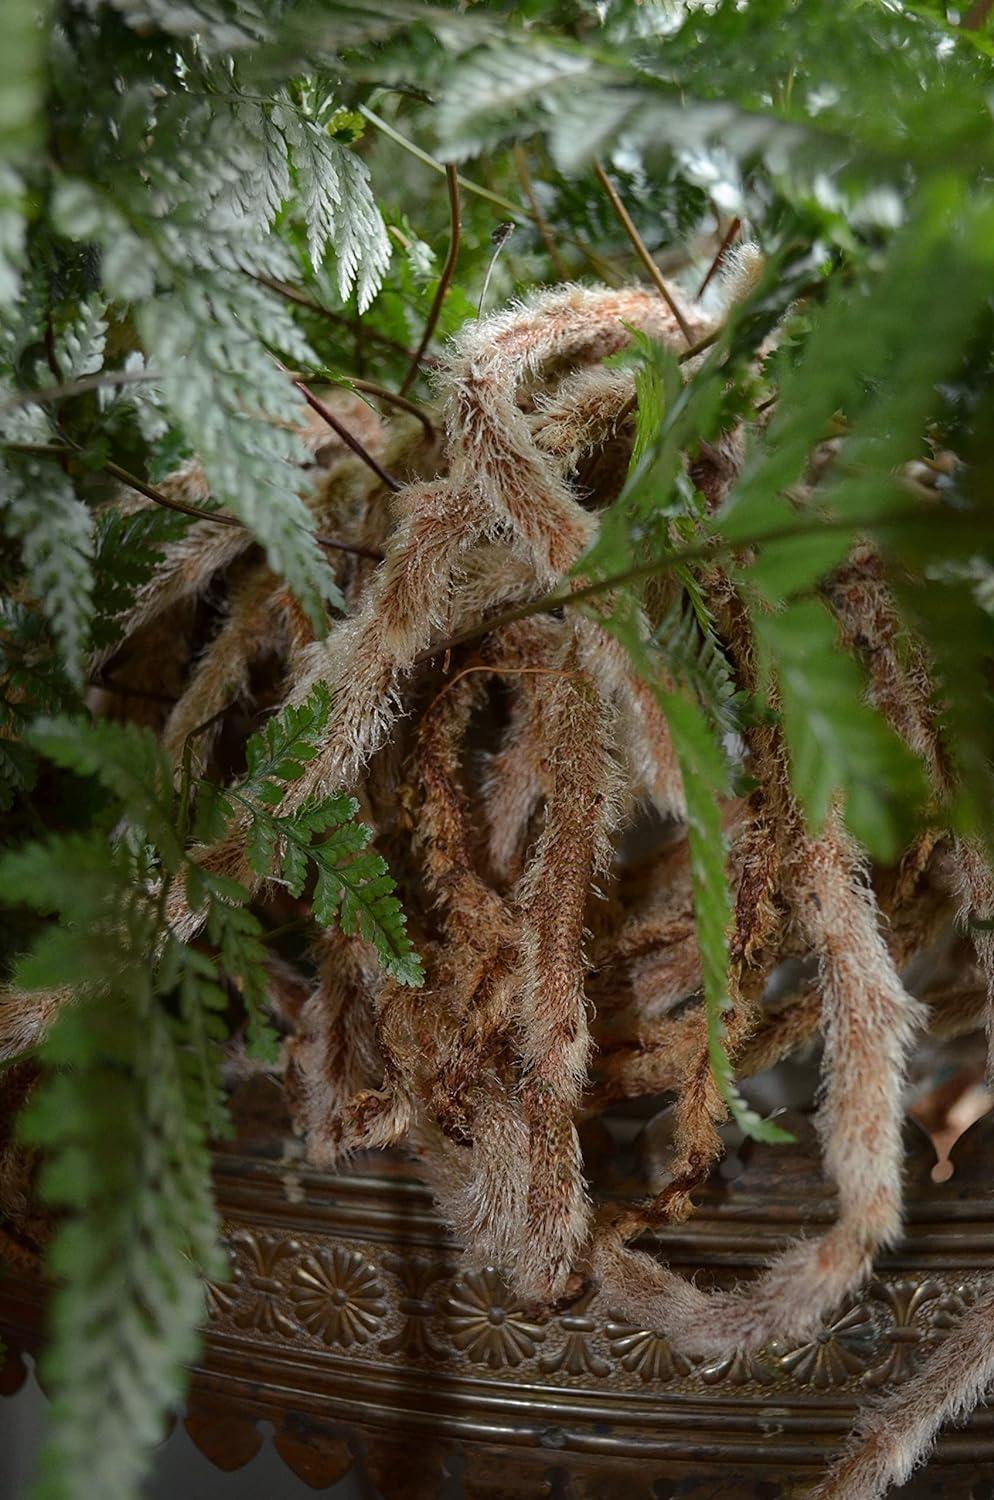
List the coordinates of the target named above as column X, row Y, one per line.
column 349, row 1325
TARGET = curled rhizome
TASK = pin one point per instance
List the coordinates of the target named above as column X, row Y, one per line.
column 524, row 789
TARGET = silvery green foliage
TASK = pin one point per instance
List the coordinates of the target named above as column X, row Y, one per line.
column 208, row 338
column 39, row 508
column 172, row 190
column 338, row 208
column 22, row 48
column 11, row 231
column 78, row 347
column 219, row 25
column 286, row 154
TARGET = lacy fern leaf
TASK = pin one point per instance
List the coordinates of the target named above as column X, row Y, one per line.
column 219, row 380
column 695, row 657
column 129, row 762
column 353, row 883
column 339, row 209
column 40, row 509
column 128, row 1158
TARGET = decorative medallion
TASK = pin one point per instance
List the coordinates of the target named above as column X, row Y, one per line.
column 842, row 1349
column 737, row 1368
column 338, row 1297
column 916, row 1315
column 487, row 1324
column 423, row 1282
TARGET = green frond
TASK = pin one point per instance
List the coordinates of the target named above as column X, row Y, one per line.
column 39, row 508
column 694, row 656
column 126, row 759
column 127, row 1158
column 839, row 745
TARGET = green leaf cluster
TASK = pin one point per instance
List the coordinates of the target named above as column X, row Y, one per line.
column 133, row 1092
column 321, row 837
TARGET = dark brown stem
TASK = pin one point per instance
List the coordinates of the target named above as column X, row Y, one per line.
column 158, row 498
column 48, row 394
column 333, row 543
column 702, row 552
column 641, row 250
column 977, row 15
column 348, row 438
column 57, row 450
column 525, row 178
column 448, row 271
column 371, row 388
column 292, row 294
column 720, row 254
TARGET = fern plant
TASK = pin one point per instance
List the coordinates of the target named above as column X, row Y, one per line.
column 696, row 521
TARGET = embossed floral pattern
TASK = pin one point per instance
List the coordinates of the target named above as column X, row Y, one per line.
column 221, row 1298
column 487, row 1324
column 413, row 1305
column 917, row 1314
column 422, row 1281
column 840, row 1351
column 737, row 1368
column 647, row 1355
column 578, row 1354
column 259, row 1289
column 338, row 1296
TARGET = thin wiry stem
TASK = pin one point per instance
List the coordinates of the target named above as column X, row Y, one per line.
column 719, row 256
column 333, row 543
column 142, row 487
column 700, row 346
column 641, row 250
column 499, row 239
column 513, row 210
column 525, row 178
column 708, row 551
column 372, row 388
column 104, row 380
column 465, row 183
column 444, row 281
column 300, row 299
column 347, row 437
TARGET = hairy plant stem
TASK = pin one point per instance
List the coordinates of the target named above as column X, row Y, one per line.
column 444, row 281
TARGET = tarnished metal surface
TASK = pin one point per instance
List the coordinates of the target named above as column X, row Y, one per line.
column 349, row 1323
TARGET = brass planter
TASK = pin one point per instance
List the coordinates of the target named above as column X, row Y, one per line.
column 349, row 1325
